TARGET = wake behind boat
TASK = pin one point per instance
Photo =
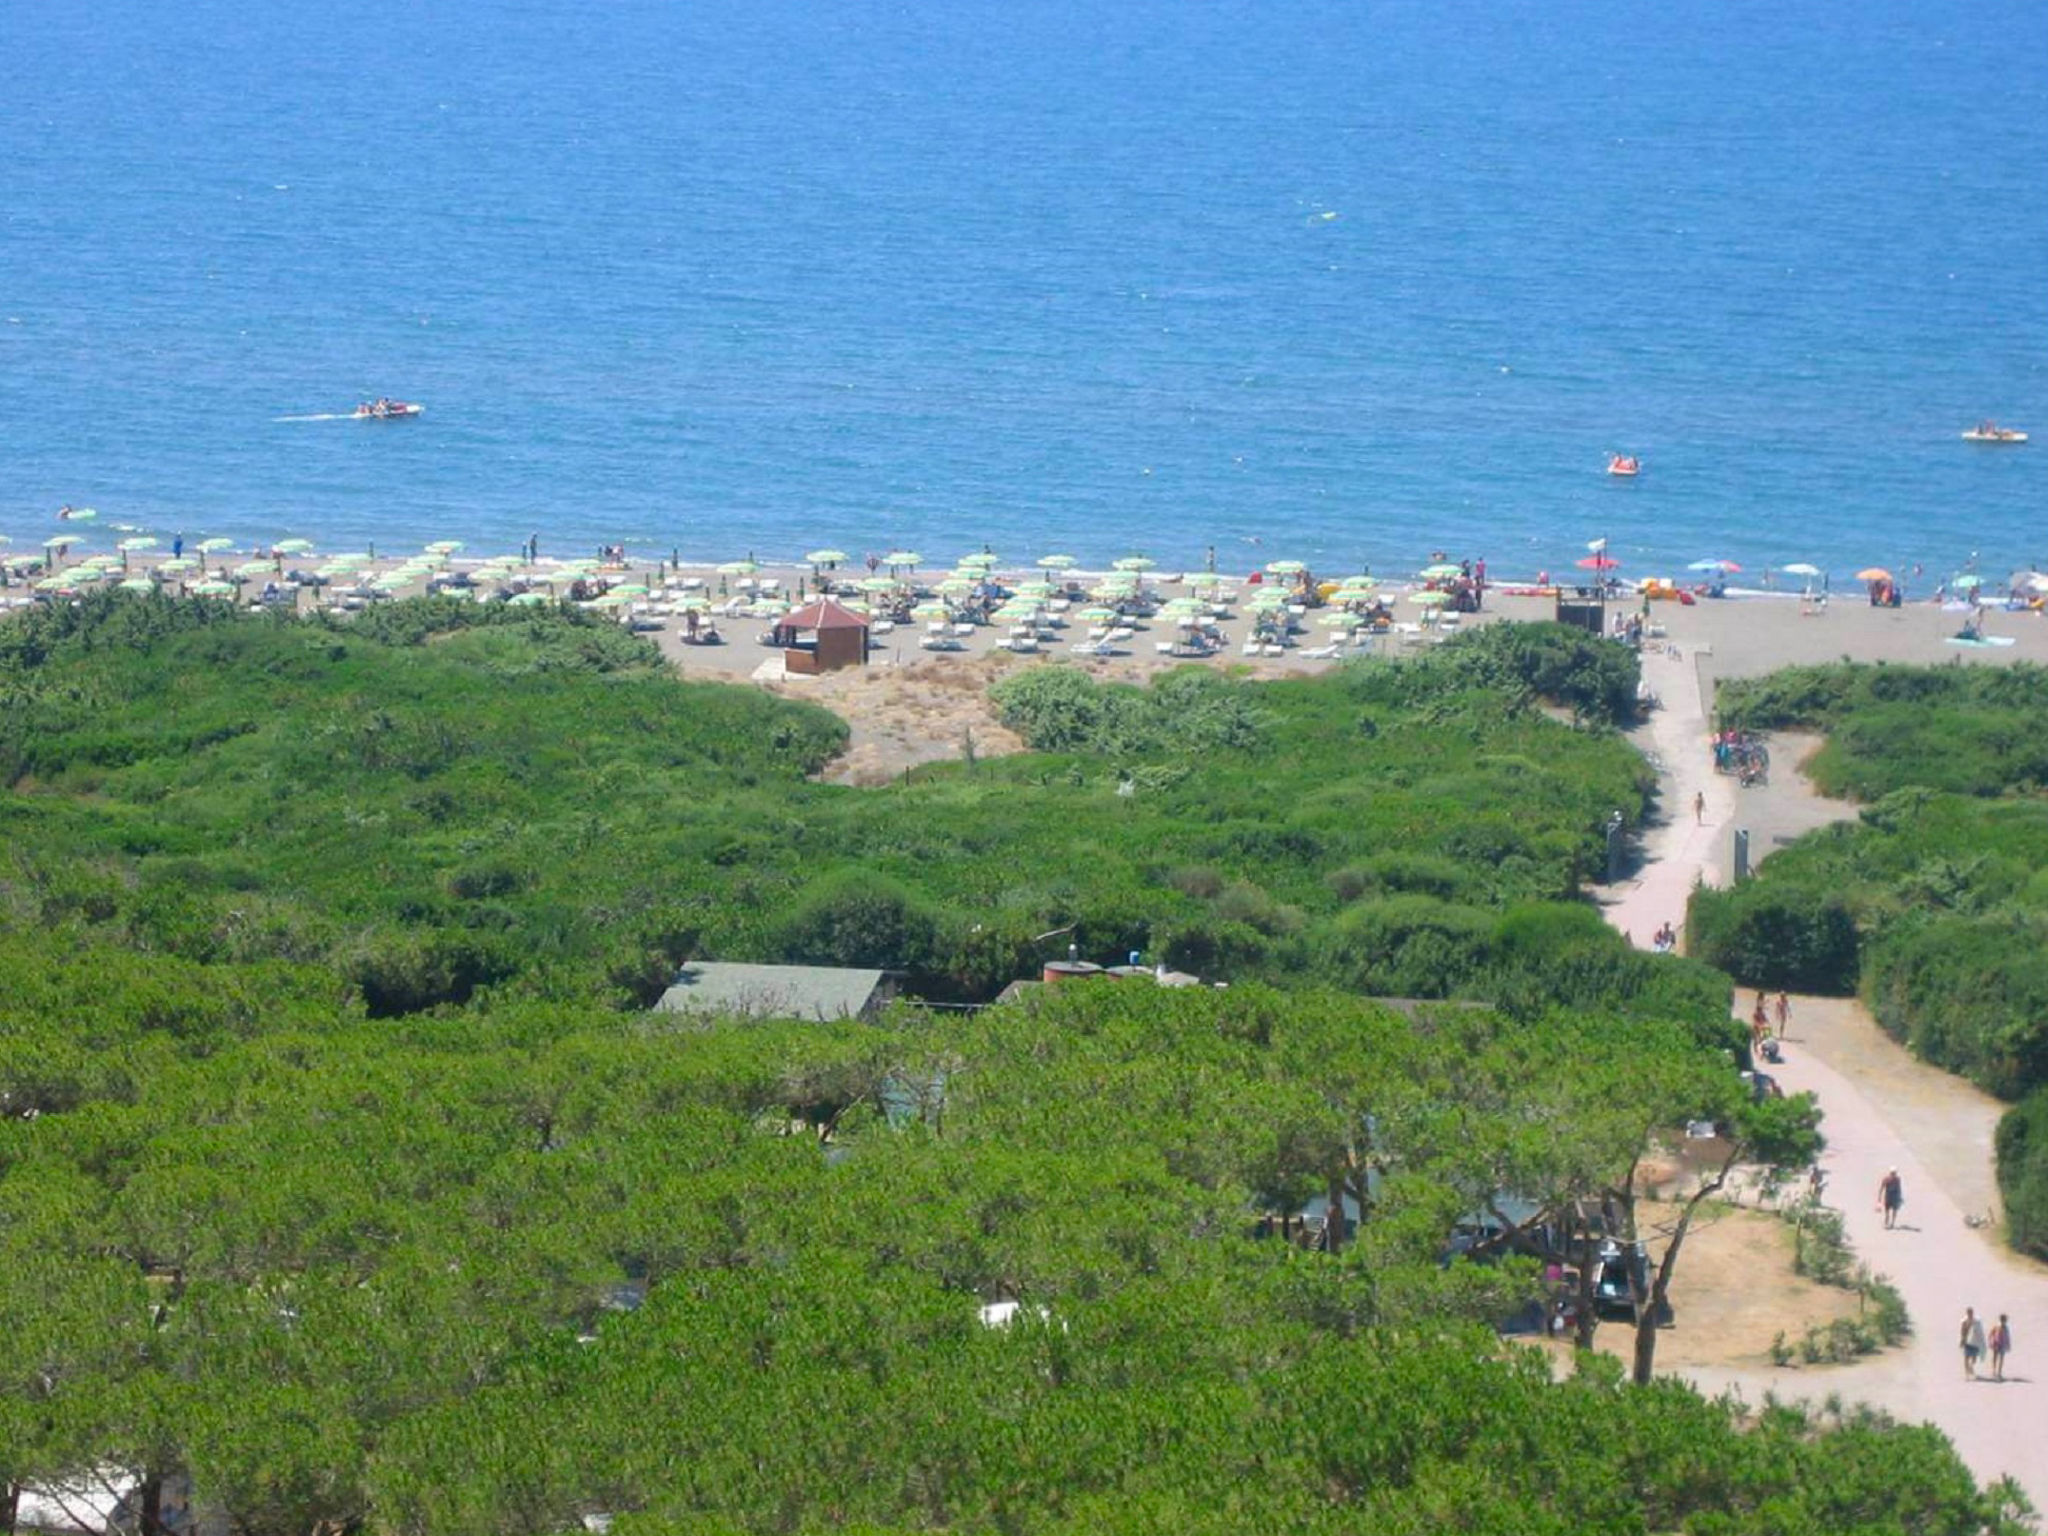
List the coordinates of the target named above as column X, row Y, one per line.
column 1992, row 432
column 382, row 409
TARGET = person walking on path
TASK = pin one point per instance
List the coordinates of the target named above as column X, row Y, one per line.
column 2001, row 1346
column 1783, row 1010
column 1891, row 1194
column 1699, row 809
column 1971, row 1337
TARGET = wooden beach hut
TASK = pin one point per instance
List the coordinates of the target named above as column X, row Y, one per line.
column 822, row 636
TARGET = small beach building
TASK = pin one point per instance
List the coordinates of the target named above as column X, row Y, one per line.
column 733, row 990
column 822, row 636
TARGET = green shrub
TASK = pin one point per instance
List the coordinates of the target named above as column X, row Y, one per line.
column 2022, row 1146
column 1767, row 935
column 858, row 918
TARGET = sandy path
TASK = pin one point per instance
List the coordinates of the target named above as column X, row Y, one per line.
column 1883, row 1109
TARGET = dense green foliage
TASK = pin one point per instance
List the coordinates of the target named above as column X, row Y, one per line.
column 340, row 1172
column 1933, row 904
column 1969, row 730
column 440, row 798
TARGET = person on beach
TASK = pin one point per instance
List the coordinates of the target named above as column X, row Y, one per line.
column 1699, row 809
column 1891, row 1195
column 177, row 546
column 2001, row 1346
column 1782, row 1010
column 1971, row 1337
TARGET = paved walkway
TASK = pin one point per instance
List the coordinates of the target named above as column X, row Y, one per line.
column 1883, row 1109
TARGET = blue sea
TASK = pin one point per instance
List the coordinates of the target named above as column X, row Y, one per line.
column 1347, row 282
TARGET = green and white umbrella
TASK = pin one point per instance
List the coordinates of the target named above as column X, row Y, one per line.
column 878, row 584
column 1133, row 563
column 931, row 612
column 958, row 586
column 62, row 583
column 138, row 584
column 827, row 557
column 1441, row 572
column 1967, row 583
column 1285, row 568
column 249, row 570
column 438, row 547
column 61, row 541
column 214, row 589
column 909, row 557
column 1055, row 562
column 628, row 589
column 738, row 568
column 528, row 600
column 214, row 546
column 979, row 561
column 177, row 565
column 1340, row 620
column 1429, row 599
column 293, row 546
column 1037, row 589
column 1097, row 615
column 351, row 558
column 133, row 545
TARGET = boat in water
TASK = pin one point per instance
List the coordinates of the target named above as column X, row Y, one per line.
column 1992, row 432
column 387, row 410
column 1624, row 464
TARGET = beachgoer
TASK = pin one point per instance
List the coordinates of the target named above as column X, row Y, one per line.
column 1816, row 1183
column 177, row 546
column 1891, row 1194
column 1699, row 809
column 1782, row 1010
column 2001, row 1346
column 1971, row 1336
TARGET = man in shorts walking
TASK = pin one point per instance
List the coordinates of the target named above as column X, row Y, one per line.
column 1891, row 1195
column 1971, row 1337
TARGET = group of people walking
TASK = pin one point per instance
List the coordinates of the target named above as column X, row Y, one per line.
column 1977, row 1342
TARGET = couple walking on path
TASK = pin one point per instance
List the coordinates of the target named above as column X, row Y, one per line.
column 1975, row 1344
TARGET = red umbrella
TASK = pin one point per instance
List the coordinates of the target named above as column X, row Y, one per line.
column 1599, row 563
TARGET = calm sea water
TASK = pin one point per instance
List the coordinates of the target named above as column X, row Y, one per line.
column 1358, row 281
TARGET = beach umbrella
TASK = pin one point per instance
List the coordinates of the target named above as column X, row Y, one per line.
column 976, row 562
column 251, row 569
column 61, row 541
column 214, row 546
column 438, row 547
column 1055, row 562
column 1429, row 599
column 136, row 544
column 138, row 584
column 878, row 584
column 1040, row 589
column 61, row 583
column 1203, row 579
column 1967, row 583
column 738, row 568
column 1444, row 571
column 1133, row 563
column 1285, row 568
column 958, row 586
column 826, row 556
column 628, row 589
column 527, row 600
column 931, row 612
column 213, row 589
column 353, row 557
column 293, row 546
column 909, row 557
column 1874, row 573
column 1599, row 563
column 1340, row 621
column 1801, row 568
column 178, row 565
